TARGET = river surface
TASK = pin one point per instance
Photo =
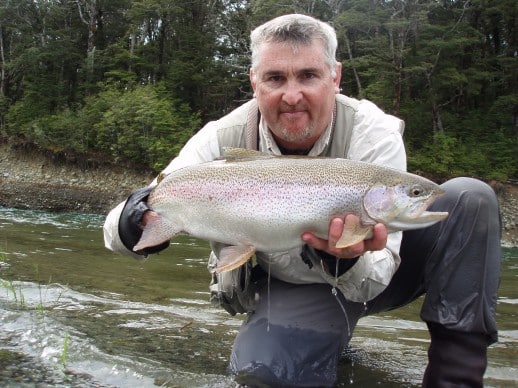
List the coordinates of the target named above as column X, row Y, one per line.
column 74, row 314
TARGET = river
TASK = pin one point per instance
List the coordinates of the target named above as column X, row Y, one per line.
column 74, row 314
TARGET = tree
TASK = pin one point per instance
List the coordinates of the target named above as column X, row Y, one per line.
column 100, row 76
column 496, row 23
column 143, row 126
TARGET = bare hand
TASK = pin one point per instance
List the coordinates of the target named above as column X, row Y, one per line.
column 377, row 242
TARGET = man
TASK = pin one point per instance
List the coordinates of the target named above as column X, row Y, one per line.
column 297, row 324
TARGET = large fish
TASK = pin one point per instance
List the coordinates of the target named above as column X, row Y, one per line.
column 258, row 202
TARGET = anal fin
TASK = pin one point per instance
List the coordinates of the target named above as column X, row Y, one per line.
column 233, row 256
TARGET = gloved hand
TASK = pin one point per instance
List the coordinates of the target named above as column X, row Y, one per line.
column 131, row 218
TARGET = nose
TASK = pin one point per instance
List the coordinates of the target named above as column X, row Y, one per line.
column 293, row 93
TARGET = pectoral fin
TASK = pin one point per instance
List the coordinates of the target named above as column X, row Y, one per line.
column 353, row 233
column 234, row 256
column 157, row 230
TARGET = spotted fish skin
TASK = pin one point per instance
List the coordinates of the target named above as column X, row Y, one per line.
column 255, row 202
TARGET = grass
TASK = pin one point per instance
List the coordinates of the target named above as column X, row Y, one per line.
column 19, row 298
column 9, row 286
column 64, row 353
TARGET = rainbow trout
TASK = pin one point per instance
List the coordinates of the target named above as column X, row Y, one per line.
column 258, row 202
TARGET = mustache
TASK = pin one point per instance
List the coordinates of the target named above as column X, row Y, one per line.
column 285, row 108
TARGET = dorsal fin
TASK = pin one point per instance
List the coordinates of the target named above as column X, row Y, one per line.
column 233, row 154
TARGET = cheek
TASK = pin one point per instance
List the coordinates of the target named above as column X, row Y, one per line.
column 322, row 99
column 267, row 101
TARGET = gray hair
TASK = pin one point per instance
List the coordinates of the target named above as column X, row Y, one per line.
column 295, row 29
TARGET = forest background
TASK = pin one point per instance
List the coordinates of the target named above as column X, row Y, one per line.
column 130, row 81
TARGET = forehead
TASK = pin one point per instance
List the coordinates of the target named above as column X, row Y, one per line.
column 278, row 55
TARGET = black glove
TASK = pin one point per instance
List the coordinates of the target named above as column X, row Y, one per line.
column 130, row 219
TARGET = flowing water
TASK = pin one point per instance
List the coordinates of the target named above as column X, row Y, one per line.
column 74, row 314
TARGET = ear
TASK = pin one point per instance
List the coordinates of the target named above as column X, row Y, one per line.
column 251, row 75
column 338, row 77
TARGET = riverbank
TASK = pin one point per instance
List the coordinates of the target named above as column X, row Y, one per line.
column 30, row 179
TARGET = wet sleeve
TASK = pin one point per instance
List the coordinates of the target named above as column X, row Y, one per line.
column 111, row 232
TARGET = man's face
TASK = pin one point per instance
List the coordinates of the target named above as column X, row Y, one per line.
column 295, row 92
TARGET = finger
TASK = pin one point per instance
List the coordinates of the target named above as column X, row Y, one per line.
column 352, row 251
column 314, row 241
column 336, row 227
column 379, row 238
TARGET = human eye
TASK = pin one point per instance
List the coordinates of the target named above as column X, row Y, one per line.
column 308, row 75
column 273, row 78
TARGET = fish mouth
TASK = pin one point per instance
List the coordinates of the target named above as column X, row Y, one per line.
column 430, row 216
column 418, row 221
column 419, row 215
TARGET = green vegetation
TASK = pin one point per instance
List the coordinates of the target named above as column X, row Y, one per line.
column 18, row 296
column 16, row 290
column 134, row 79
column 64, row 353
column 9, row 286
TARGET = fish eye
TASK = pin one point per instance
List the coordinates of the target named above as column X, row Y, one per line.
column 416, row 191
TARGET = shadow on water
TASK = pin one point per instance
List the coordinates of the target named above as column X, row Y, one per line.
column 86, row 317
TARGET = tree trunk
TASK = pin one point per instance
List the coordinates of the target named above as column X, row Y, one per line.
column 2, row 58
column 353, row 66
column 91, row 22
column 436, row 118
column 133, row 39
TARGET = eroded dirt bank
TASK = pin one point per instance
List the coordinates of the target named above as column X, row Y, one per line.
column 30, row 179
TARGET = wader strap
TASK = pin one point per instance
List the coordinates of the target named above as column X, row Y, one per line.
column 252, row 126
